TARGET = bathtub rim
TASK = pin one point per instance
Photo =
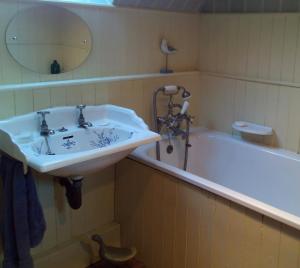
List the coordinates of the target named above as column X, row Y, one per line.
column 140, row 155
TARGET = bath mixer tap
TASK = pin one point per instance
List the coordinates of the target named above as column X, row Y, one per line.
column 45, row 131
column 81, row 120
column 173, row 121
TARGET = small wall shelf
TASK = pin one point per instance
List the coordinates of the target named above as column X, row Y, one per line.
column 250, row 128
column 97, row 3
column 86, row 81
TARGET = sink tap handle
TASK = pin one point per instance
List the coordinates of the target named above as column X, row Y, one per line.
column 81, row 119
column 81, row 107
column 43, row 114
column 44, row 126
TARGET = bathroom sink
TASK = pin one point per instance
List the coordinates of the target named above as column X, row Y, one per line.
column 114, row 133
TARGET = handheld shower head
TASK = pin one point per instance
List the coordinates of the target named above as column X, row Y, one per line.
column 170, row 90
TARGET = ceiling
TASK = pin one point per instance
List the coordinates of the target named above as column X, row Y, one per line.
column 214, row 6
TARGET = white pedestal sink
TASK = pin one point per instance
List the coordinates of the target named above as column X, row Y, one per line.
column 115, row 132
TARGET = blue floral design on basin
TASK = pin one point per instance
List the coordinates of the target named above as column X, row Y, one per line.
column 104, row 138
column 82, row 140
column 69, row 144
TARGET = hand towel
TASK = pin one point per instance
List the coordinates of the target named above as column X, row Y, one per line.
column 23, row 220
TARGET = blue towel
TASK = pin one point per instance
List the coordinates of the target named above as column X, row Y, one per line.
column 23, row 220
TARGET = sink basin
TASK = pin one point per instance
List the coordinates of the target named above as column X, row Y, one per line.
column 115, row 133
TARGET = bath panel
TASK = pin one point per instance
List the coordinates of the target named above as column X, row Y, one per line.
column 175, row 224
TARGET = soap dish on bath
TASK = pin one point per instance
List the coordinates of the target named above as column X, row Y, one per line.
column 251, row 128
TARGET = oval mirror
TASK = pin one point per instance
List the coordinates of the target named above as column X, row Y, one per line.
column 48, row 39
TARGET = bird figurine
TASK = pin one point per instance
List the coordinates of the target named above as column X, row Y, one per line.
column 167, row 50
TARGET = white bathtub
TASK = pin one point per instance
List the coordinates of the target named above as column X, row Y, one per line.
column 264, row 179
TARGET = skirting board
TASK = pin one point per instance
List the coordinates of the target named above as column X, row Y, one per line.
column 80, row 252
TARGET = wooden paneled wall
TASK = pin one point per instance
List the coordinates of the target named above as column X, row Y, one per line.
column 64, row 224
column 176, row 225
column 262, row 46
column 223, row 101
column 125, row 41
column 260, row 52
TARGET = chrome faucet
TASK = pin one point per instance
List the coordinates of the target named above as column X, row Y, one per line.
column 173, row 120
column 81, row 120
column 176, row 113
column 45, row 131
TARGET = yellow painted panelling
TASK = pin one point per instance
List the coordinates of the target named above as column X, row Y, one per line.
column 277, row 43
column 241, row 58
column 101, row 92
column 62, row 215
column 198, row 229
column 270, row 241
column 232, row 41
column 124, row 42
column 7, row 104
column 239, row 100
column 289, row 47
column 88, row 95
column 264, row 46
column 65, row 224
column 289, row 248
column 46, row 194
column 293, row 134
column 23, row 102
column 271, row 106
column 81, row 251
column 212, row 46
column 204, row 41
column 58, row 96
column 168, row 223
column 179, row 247
column 221, row 42
column 282, row 114
column 221, row 235
column 255, row 97
column 230, row 100
column 252, row 45
column 41, row 99
column 255, row 46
